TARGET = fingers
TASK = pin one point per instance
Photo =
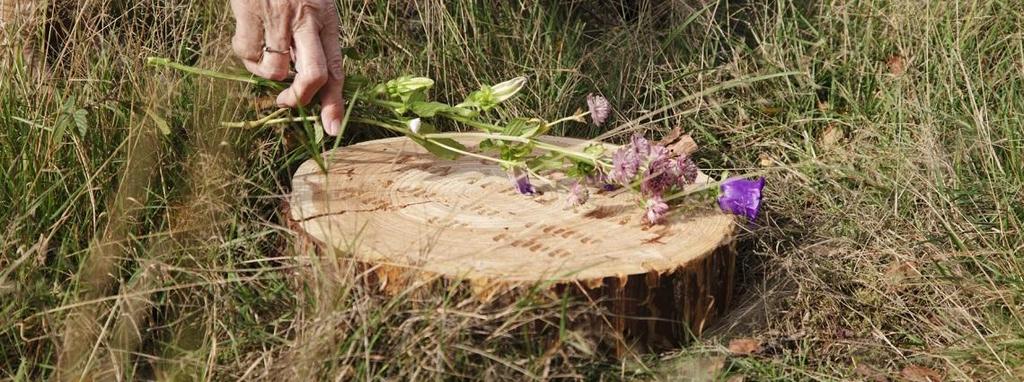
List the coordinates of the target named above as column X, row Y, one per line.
column 305, row 32
column 277, row 37
column 331, row 101
column 248, row 40
column 310, row 65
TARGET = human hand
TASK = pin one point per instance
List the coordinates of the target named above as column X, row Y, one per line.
column 270, row 34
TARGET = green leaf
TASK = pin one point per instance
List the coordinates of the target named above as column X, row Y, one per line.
column 535, row 128
column 487, row 144
column 60, row 129
column 415, row 97
column 355, row 82
column 161, row 123
column 432, row 144
column 482, row 99
column 440, row 151
column 580, row 169
column 425, row 128
column 318, row 133
column 526, row 128
column 352, row 53
column 407, row 89
column 516, row 152
column 546, row 162
column 408, row 100
column 464, row 112
column 595, row 149
column 428, row 109
column 81, row 118
column 515, row 127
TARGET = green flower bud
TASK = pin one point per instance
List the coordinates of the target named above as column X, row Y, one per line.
column 408, row 84
column 490, row 96
column 505, row 90
column 406, row 89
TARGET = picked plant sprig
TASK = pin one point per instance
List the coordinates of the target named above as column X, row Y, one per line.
column 650, row 170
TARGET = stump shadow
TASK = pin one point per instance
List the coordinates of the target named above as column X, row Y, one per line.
column 762, row 285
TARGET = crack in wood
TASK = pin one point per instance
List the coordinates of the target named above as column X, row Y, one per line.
column 303, row 220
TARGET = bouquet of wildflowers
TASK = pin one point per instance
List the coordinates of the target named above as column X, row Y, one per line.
column 656, row 173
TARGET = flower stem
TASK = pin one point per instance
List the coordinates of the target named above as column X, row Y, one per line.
column 381, row 124
column 249, row 79
column 268, row 120
column 710, row 186
column 478, row 135
column 474, row 155
column 486, row 127
column 408, row 132
column 574, row 154
column 577, row 117
column 541, row 145
column 477, row 124
column 704, row 187
column 276, row 121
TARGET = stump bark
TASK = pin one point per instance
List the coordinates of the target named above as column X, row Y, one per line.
column 409, row 216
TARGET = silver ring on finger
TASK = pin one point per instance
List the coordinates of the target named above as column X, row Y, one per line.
column 267, row 49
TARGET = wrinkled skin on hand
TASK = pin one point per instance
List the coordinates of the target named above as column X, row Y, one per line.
column 301, row 31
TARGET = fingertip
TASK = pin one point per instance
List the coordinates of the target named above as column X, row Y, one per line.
column 285, row 99
column 331, row 117
column 332, row 128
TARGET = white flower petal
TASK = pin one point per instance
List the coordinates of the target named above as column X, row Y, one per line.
column 414, row 125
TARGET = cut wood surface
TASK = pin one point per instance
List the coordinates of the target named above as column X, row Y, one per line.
column 391, row 204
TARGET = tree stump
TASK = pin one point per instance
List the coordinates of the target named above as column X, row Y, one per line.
column 411, row 216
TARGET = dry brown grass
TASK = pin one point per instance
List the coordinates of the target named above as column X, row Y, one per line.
column 890, row 244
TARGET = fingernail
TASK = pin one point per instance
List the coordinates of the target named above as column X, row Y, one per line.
column 335, row 126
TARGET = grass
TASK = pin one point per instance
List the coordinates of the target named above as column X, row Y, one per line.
column 142, row 240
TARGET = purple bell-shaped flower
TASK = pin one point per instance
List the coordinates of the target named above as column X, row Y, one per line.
column 741, row 197
column 521, row 181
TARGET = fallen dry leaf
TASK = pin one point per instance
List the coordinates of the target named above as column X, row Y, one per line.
column 684, row 146
column 678, row 143
column 831, row 137
column 899, row 272
column 914, row 373
column 744, row 346
column 672, row 135
column 896, row 64
column 697, row 369
column 771, row 111
column 869, row 373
